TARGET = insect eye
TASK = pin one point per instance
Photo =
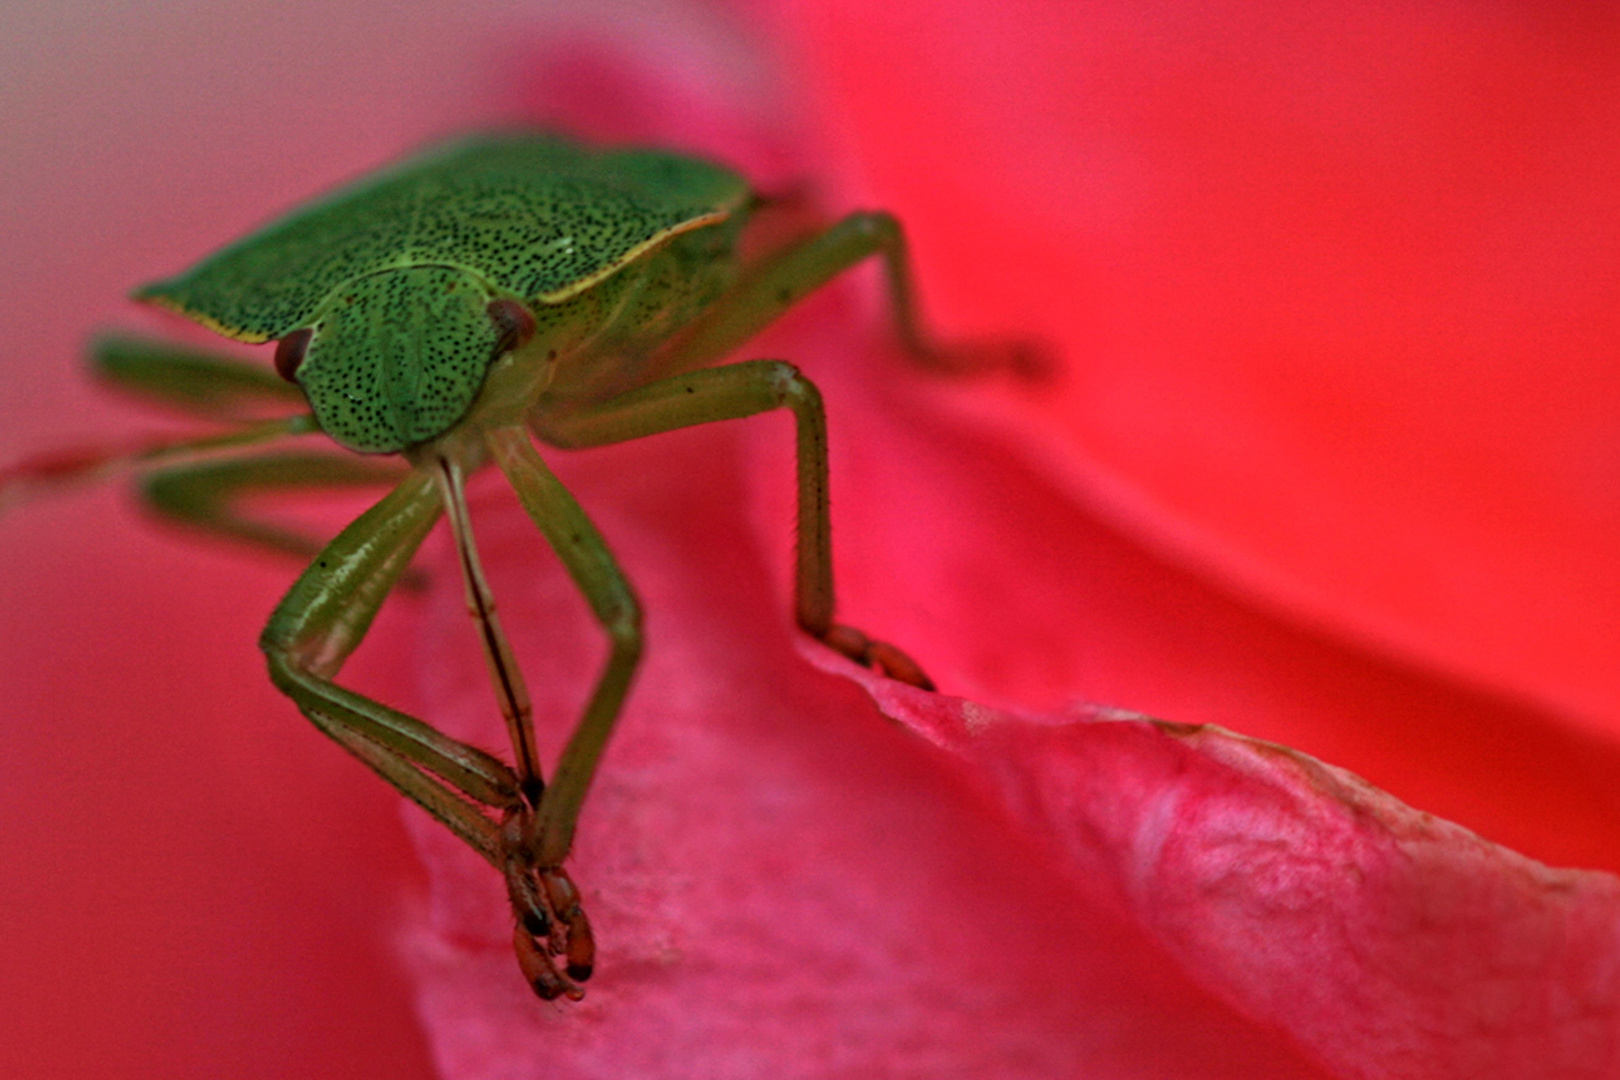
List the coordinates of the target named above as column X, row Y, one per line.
column 515, row 323
column 290, row 352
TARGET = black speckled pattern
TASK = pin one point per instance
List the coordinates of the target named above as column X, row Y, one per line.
column 536, row 215
column 398, row 356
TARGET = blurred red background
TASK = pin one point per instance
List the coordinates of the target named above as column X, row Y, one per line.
column 1338, row 290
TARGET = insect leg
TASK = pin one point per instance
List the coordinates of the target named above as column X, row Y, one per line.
column 204, row 495
column 776, row 283
column 586, row 557
column 460, row 817
column 55, row 469
column 320, row 622
column 503, row 668
column 732, row 392
column 191, row 380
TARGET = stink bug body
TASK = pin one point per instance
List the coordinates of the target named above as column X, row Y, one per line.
column 448, row 311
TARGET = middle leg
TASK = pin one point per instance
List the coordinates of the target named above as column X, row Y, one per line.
column 732, row 392
column 780, row 280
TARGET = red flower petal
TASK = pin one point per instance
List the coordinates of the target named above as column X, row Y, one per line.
column 1388, row 942
column 1335, row 287
column 906, row 895
column 782, row 883
column 1153, row 861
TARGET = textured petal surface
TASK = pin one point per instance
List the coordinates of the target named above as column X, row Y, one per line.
column 1389, row 942
column 780, row 882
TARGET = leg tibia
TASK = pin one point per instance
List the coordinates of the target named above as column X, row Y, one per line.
column 729, row 393
column 204, row 496
column 321, row 621
column 588, row 561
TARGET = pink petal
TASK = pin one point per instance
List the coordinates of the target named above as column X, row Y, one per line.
column 781, row 882
column 1388, row 942
column 1125, row 862
column 141, row 776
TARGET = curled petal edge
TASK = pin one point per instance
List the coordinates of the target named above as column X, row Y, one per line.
column 1386, row 941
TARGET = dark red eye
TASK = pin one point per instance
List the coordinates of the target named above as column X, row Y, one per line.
column 514, row 322
column 290, row 352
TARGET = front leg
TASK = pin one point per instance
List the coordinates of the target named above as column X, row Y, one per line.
column 588, row 561
column 728, row 393
column 321, row 621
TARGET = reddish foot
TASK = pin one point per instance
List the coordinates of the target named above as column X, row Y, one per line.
column 880, row 656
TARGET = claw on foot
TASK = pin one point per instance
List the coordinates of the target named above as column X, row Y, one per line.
column 880, row 656
column 550, row 924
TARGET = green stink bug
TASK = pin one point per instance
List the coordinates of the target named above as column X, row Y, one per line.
column 450, row 310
